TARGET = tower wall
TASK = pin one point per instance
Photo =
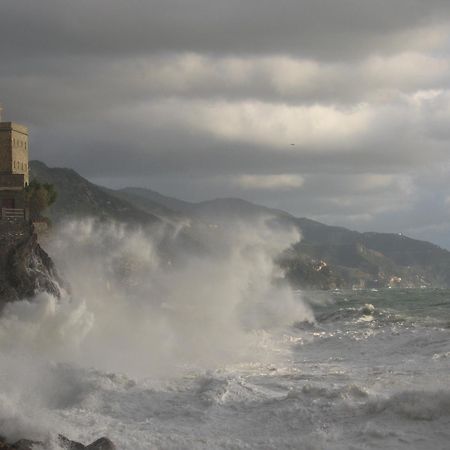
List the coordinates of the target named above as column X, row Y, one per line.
column 5, row 150
column 14, row 149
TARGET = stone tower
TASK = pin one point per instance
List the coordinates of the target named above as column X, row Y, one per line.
column 14, row 175
column 14, row 150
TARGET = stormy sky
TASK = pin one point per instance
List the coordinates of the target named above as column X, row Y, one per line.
column 337, row 110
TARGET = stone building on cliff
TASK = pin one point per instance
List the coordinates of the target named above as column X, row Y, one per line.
column 14, row 174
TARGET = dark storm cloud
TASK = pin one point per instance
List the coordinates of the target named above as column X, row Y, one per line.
column 141, row 143
column 335, row 109
column 324, row 28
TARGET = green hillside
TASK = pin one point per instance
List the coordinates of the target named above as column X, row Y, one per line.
column 326, row 257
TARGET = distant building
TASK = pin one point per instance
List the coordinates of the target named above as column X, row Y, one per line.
column 14, row 174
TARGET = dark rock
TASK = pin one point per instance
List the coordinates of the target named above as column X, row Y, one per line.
column 25, row 444
column 4, row 445
column 101, row 444
column 68, row 444
column 25, row 268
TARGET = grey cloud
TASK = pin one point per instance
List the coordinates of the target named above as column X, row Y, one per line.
column 202, row 98
column 329, row 28
column 125, row 149
column 102, row 85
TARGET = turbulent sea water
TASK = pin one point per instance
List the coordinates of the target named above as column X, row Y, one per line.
column 227, row 361
column 360, row 377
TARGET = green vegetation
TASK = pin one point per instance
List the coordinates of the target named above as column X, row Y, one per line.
column 327, row 257
column 39, row 196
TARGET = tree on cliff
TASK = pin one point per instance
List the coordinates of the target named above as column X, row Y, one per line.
column 39, row 197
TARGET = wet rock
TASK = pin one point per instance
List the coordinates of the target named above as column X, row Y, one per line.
column 101, row 444
column 68, row 444
column 25, row 444
column 25, row 268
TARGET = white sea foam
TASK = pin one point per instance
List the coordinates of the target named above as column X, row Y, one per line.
column 198, row 352
column 147, row 314
column 132, row 310
column 416, row 405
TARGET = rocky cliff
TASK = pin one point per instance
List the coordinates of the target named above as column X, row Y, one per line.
column 327, row 257
column 25, row 268
column 62, row 442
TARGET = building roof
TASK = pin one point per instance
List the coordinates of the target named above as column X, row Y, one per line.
column 13, row 126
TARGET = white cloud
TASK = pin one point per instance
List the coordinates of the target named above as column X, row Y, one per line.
column 285, row 77
column 278, row 126
column 270, row 182
column 406, row 71
column 208, row 97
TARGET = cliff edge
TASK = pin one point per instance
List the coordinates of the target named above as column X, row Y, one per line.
column 25, row 268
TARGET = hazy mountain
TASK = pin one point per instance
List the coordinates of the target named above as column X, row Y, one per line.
column 326, row 257
column 138, row 198
column 154, row 198
column 78, row 197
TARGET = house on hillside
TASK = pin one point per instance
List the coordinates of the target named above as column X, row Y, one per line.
column 14, row 173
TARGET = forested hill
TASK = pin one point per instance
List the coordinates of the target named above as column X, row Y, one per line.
column 326, row 257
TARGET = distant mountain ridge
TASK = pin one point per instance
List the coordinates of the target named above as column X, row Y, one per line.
column 148, row 195
column 327, row 256
column 79, row 197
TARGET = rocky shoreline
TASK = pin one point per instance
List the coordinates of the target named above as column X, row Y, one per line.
column 25, row 268
column 25, row 271
column 25, row 444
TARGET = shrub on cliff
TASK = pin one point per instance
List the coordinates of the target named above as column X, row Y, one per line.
column 39, row 196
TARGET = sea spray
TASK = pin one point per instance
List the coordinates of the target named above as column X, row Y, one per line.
column 337, row 383
column 153, row 314
column 140, row 308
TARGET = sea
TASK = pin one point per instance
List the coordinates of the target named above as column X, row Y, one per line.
column 338, row 370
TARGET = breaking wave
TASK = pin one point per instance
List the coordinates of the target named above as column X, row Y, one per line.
column 135, row 308
column 413, row 405
column 165, row 343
